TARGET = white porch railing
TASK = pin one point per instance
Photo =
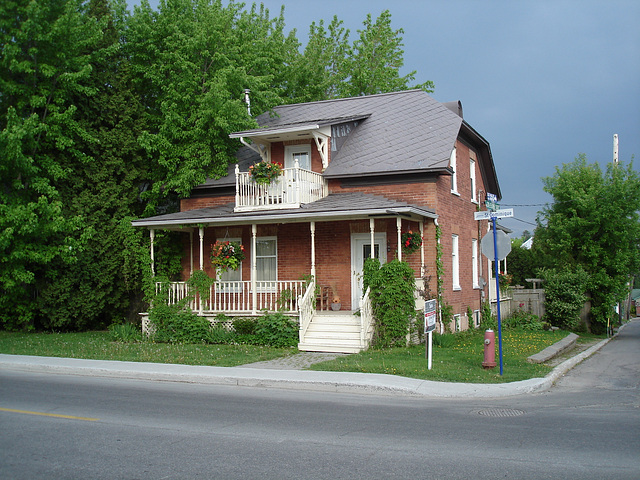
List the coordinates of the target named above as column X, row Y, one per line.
column 306, row 304
column 366, row 320
column 296, row 186
column 237, row 297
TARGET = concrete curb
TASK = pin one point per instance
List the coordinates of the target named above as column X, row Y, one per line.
column 339, row 382
column 552, row 351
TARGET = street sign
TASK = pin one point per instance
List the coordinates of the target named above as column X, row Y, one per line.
column 491, row 202
column 429, row 316
column 488, row 215
column 503, row 243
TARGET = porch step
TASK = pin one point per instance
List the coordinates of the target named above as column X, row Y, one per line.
column 337, row 333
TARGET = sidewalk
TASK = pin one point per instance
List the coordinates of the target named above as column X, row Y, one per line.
column 272, row 376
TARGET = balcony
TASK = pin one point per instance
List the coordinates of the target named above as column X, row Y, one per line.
column 295, row 187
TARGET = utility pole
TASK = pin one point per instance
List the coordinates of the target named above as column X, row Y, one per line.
column 615, row 149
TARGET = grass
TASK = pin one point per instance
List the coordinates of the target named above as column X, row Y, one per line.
column 98, row 346
column 461, row 361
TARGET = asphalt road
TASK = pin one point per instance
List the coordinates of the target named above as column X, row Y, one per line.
column 64, row 426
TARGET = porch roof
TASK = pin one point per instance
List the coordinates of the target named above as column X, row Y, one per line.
column 336, row 206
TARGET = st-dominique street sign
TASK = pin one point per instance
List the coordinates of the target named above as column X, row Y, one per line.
column 488, row 215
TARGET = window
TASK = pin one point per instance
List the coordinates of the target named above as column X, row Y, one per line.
column 476, row 318
column 267, row 259
column 455, row 262
column 302, row 153
column 474, row 263
column 472, row 175
column 454, row 178
column 456, row 321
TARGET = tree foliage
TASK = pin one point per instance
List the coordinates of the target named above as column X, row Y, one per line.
column 593, row 225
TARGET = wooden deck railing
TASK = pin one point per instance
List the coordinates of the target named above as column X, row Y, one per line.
column 237, row 297
column 296, row 186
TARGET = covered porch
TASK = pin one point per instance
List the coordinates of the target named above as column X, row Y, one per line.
column 316, row 250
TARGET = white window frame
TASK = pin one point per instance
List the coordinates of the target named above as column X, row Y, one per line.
column 455, row 262
column 291, row 150
column 266, row 239
column 474, row 263
column 456, row 322
column 454, row 175
column 476, row 318
column 472, row 176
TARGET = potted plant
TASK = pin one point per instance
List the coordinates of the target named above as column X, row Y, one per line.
column 335, row 302
column 411, row 242
column 264, row 173
column 227, row 255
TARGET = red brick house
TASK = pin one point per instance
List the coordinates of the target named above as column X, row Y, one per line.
column 357, row 172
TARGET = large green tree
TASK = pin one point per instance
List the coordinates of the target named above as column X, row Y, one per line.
column 47, row 50
column 103, row 188
column 376, row 59
column 593, row 224
column 194, row 59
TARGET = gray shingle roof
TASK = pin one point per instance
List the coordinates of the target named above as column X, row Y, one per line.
column 405, row 131
column 334, row 207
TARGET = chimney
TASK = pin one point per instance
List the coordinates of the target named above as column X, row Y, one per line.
column 247, row 100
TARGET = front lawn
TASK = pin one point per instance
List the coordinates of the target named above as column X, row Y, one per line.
column 459, row 362
column 98, row 346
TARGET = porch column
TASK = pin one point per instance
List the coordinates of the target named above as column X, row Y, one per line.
column 422, row 249
column 372, row 230
column 254, row 268
column 152, row 236
column 190, row 252
column 312, row 226
column 201, row 232
column 399, row 228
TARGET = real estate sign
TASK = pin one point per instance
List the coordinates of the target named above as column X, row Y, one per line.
column 429, row 316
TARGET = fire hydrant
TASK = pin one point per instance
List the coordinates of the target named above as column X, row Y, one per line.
column 489, row 349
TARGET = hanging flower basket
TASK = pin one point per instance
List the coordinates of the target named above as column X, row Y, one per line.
column 227, row 255
column 264, row 173
column 411, row 241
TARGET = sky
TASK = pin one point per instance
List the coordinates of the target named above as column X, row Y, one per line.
column 541, row 80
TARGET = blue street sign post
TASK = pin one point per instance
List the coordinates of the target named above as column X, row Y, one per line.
column 499, row 252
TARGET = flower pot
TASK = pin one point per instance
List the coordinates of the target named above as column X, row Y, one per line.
column 336, row 306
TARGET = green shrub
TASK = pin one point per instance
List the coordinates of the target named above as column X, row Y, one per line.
column 244, row 326
column 564, row 293
column 221, row 336
column 392, row 287
column 276, row 330
column 524, row 321
column 125, row 332
column 177, row 324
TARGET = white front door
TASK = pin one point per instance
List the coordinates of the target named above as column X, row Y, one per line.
column 360, row 251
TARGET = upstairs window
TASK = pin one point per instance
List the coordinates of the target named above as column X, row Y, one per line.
column 472, row 175
column 455, row 262
column 302, row 153
column 454, row 178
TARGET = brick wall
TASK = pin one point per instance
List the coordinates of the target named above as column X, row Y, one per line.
column 456, row 218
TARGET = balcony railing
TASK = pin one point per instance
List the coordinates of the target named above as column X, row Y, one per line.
column 295, row 187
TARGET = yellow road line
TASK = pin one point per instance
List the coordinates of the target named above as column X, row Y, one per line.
column 68, row 417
